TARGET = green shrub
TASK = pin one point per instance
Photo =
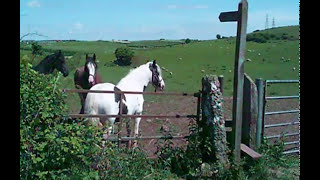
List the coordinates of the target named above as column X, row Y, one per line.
column 187, row 41
column 124, row 56
column 36, row 49
column 51, row 144
column 257, row 37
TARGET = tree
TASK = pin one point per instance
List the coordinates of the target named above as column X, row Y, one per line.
column 124, row 56
column 36, row 49
column 187, row 41
column 218, row 36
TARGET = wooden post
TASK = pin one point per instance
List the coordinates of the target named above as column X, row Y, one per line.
column 241, row 17
column 120, row 121
column 213, row 123
column 250, row 113
column 198, row 107
column 260, row 88
column 128, row 133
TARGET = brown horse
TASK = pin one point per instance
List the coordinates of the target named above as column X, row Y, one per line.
column 85, row 77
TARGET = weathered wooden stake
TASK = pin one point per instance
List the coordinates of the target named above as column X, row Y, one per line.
column 260, row 88
column 250, row 113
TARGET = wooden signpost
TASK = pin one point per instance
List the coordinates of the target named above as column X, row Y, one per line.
column 240, row 17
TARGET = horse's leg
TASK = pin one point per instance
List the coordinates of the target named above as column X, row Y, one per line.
column 136, row 129
column 82, row 100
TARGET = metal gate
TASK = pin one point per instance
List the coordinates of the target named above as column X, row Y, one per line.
column 265, row 125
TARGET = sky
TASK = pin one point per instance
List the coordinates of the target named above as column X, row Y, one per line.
column 146, row 19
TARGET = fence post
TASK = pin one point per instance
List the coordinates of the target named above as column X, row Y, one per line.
column 259, row 83
column 250, row 112
column 213, row 123
column 120, row 120
column 239, row 78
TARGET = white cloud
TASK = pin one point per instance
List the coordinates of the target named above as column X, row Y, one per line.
column 34, row 3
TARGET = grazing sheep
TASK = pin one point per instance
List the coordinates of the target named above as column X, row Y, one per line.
column 230, row 71
column 180, row 58
column 170, row 73
column 202, row 71
column 249, row 60
column 259, row 54
column 293, row 68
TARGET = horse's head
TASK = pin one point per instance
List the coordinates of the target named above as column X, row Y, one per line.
column 156, row 79
column 91, row 69
column 61, row 64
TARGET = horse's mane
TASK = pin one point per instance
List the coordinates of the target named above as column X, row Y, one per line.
column 130, row 76
column 143, row 65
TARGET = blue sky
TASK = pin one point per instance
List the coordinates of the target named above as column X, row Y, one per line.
column 146, row 19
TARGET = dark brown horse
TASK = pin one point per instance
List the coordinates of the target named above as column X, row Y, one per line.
column 52, row 62
column 85, row 77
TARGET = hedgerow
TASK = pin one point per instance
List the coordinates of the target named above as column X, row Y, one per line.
column 51, row 144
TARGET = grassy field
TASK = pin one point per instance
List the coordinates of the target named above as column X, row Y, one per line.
column 188, row 63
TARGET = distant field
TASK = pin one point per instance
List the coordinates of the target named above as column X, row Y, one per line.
column 148, row 44
column 188, row 63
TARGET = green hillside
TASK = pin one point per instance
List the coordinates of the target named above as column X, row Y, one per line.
column 275, row 59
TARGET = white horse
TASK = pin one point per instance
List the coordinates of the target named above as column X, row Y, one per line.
column 108, row 103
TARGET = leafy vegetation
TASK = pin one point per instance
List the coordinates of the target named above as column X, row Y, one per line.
column 191, row 163
column 124, row 56
column 36, row 48
column 51, row 144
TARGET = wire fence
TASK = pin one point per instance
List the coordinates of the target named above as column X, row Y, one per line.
column 128, row 138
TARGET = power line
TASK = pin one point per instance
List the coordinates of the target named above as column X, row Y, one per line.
column 267, row 22
column 273, row 23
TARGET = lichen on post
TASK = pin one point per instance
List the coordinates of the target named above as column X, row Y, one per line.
column 213, row 123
